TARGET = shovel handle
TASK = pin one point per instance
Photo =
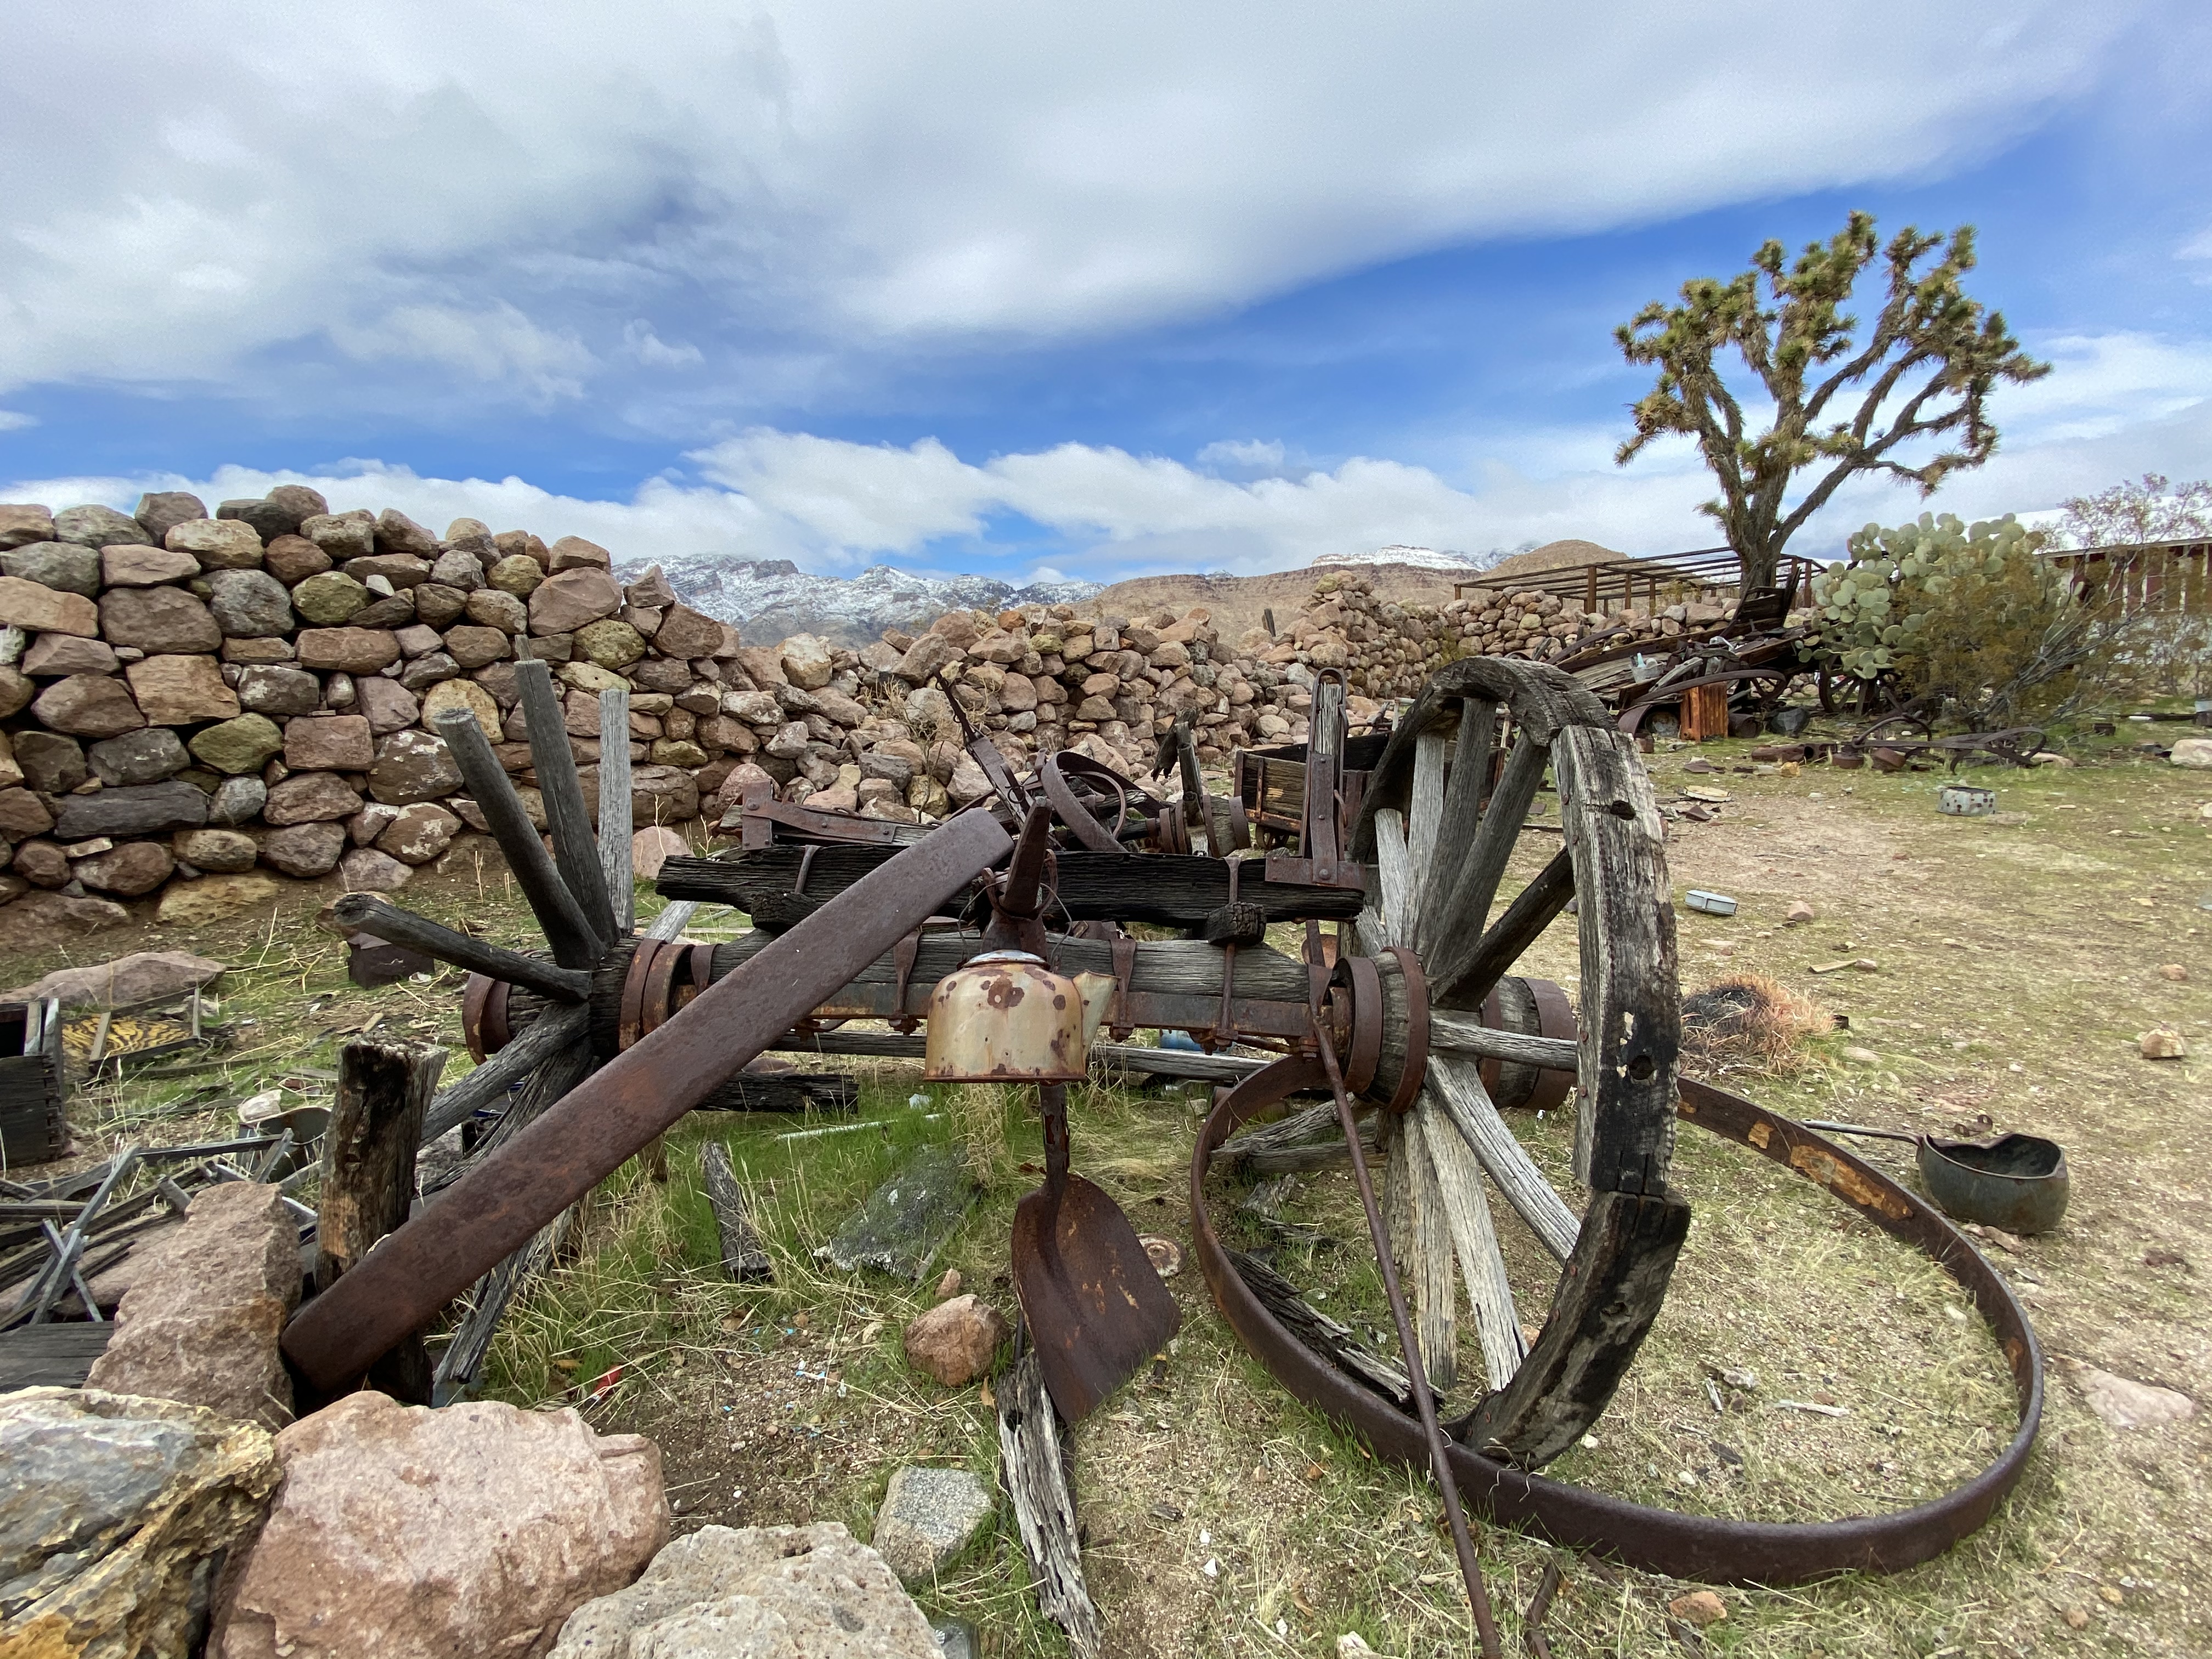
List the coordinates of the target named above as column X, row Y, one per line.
column 1052, row 1101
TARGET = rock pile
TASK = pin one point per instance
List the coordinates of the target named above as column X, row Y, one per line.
column 195, row 695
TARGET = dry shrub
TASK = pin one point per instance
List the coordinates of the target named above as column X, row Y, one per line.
column 1749, row 1022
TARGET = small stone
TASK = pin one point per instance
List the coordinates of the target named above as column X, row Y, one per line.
column 181, row 690
column 98, row 526
column 523, row 1516
column 62, row 566
column 224, row 851
column 1800, row 912
column 304, row 849
column 1860, row 1057
column 398, row 533
column 56, row 656
column 311, row 797
column 2164, row 1042
column 146, row 756
column 365, row 870
column 200, row 1322
column 330, row 598
column 250, row 604
column 517, row 575
column 41, row 610
column 1698, row 1608
column 954, row 1340
column 2195, row 752
column 135, row 867
column 341, row 536
column 948, row 1286
column 347, row 650
column 419, row 834
column 49, row 761
column 217, row 543
column 2174, row 971
column 237, row 746
column 467, row 695
column 279, row 689
column 212, row 898
column 2126, row 1404
column 292, row 559
column 928, row 1516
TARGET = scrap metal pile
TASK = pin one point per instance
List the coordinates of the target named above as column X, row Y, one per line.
column 1407, row 1015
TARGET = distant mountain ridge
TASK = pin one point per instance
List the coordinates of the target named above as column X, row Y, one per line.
column 772, row 599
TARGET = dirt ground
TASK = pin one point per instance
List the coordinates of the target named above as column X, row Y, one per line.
column 2017, row 960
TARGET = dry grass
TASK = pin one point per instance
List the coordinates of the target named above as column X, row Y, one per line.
column 2017, row 958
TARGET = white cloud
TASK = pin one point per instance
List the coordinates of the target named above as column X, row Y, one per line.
column 14, row 420
column 2119, row 406
column 398, row 178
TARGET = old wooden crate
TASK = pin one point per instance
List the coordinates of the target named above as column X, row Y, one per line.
column 1272, row 783
column 32, row 1127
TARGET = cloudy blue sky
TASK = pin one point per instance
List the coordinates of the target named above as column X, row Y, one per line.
column 1086, row 289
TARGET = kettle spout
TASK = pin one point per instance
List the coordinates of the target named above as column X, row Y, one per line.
column 1096, row 991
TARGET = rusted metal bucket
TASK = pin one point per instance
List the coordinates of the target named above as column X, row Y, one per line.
column 1095, row 1306
column 2015, row 1182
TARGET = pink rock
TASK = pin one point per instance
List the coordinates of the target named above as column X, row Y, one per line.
column 201, row 1319
column 405, row 1532
column 954, row 1341
column 335, row 743
column 572, row 599
column 650, row 849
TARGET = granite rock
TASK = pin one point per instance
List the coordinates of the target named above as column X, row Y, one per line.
column 88, row 705
column 250, row 603
column 98, row 526
column 927, row 1517
column 146, row 756
column 159, row 620
column 217, row 544
column 304, row 849
column 62, row 566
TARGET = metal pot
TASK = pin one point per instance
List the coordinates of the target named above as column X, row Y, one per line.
column 1004, row 1017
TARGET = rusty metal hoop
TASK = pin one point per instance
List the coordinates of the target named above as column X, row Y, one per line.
column 1710, row 1548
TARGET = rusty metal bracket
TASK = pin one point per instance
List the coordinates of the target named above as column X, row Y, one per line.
column 1413, row 1070
column 1125, row 965
column 1693, row 1547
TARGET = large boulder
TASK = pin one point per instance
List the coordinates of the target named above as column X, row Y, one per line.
column 292, row 559
column 88, row 705
column 250, row 603
column 806, row 661
column 217, row 544
column 211, row 899
column 145, row 977
column 573, row 600
column 62, row 566
column 330, row 598
column 774, row 1592
column 38, row 609
column 404, row 1533
column 410, row 766
column 181, row 690
column 341, row 536
column 687, row 633
column 574, row 553
column 201, row 1319
column 23, row 523
column 146, row 756
column 611, row 645
column 38, row 921
column 97, row 526
column 115, row 1518
column 474, row 647
column 305, row 850
column 134, row 868
column 161, row 511
column 398, row 533
column 158, row 621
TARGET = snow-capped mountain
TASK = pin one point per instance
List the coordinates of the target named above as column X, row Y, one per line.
column 771, row 599
column 1421, row 558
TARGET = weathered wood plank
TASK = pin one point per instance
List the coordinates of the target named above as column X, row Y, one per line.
column 744, row 1260
column 370, row 914
column 487, row 1085
column 1425, row 816
column 1435, row 1312
column 1394, row 865
column 1534, row 909
column 576, row 942
column 615, row 826
column 1036, row 1480
column 568, row 816
column 1475, row 883
column 1457, row 1033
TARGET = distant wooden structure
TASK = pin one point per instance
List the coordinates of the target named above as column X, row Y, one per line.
column 2173, row 577
column 33, row 1128
column 1708, row 575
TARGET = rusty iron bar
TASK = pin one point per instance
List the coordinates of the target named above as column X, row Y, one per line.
column 1694, row 1546
column 496, row 1208
column 1424, row 1402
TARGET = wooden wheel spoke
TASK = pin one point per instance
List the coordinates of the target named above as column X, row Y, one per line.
column 1463, row 968
column 1458, row 1086
column 1460, row 813
column 1458, row 1181
column 1474, row 884
column 1399, row 879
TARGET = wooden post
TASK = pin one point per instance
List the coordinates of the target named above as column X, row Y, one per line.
column 1044, row 1507
column 615, row 825
column 369, row 1179
column 743, row 1261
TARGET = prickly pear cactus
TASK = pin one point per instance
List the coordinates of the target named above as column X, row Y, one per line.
column 1877, row 606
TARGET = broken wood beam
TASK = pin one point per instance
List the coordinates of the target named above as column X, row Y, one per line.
column 744, row 1261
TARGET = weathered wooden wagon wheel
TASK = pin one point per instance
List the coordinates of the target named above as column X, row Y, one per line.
column 1429, row 939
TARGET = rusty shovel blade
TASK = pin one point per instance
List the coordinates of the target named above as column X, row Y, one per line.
column 1096, row 1309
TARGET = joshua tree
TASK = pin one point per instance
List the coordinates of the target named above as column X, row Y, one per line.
column 1924, row 370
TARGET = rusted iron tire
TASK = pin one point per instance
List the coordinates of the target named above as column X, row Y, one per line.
column 1658, row 1540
